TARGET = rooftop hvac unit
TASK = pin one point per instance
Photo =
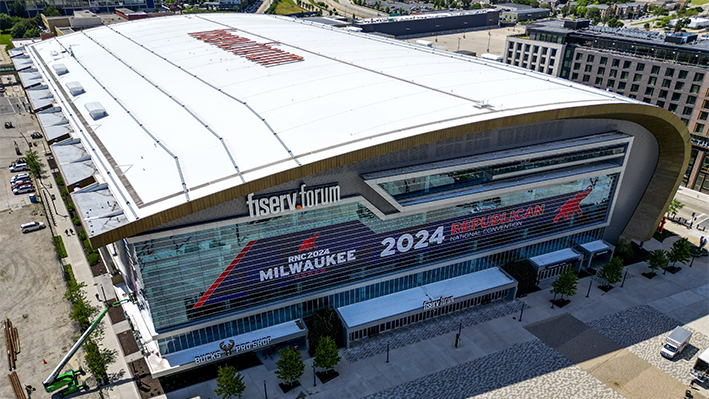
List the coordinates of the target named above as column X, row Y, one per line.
column 60, row 69
column 75, row 88
column 96, row 110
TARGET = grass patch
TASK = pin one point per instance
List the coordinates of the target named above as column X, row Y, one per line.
column 287, row 7
column 5, row 39
column 699, row 2
column 646, row 22
column 68, row 273
column 59, row 246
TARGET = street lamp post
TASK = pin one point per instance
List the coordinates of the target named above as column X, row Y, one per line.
column 265, row 392
column 387, row 353
column 590, row 282
column 521, row 312
column 552, row 301
column 314, row 374
column 624, row 276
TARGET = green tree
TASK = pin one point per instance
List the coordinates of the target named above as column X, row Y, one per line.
column 326, row 355
column 624, row 249
column 681, row 24
column 657, row 259
column 681, row 251
column 18, row 9
column 325, row 324
column 565, row 284
column 19, row 29
column 34, row 162
column 50, row 11
column 5, row 22
column 675, row 206
column 229, row 383
column 290, row 366
column 98, row 359
column 29, row 33
column 612, row 271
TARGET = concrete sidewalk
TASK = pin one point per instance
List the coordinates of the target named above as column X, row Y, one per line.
column 121, row 386
column 682, row 297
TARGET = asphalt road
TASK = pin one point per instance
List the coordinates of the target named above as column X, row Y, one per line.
column 694, row 203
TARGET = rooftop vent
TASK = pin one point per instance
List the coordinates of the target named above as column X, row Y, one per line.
column 60, row 69
column 580, row 24
column 681, row 38
column 96, row 110
column 75, row 88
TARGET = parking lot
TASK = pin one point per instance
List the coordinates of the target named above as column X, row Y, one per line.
column 31, row 282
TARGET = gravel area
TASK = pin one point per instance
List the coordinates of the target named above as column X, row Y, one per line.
column 428, row 329
column 543, row 373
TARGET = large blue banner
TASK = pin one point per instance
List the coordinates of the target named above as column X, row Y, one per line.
column 350, row 251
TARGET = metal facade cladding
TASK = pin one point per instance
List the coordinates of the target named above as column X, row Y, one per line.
column 350, row 251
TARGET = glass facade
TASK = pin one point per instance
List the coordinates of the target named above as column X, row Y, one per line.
column 417, row 186
column 204, row 273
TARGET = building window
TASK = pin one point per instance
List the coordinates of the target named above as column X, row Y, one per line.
column 621, row 86
column 599, row 81
column 698, row 77
column 649, row 91
column 687, row 111
column 637, row 77
column 647, row 100
column 579, row 56
column 517, row 55
column 564, row 73
column 544, row 50
column 640, row 67
column 691, row 100
column 577, row 66
column 586, row 78
column 676, row 96
column 601, row 71
column 519, row 46
column 590, row 58
column 553, row 52
column 655, row 70
column 663, row 93
column 511, row 46
column 661, row 104
column 703, row 116
column 613, row 73
column 551, row 62
column 634, row 88
column 669, row 72
column 526, row 47
column 698, row 128
column 705, row 104
column 652, row 81
column 683, row 74
column 526, row 57
column 575, row 76
column 685, row 121
column 624, row 75
column 616, row 62
column 694, row 89
column 604, row 60
column 672, row 107
column 611, row 83
column 534, row 59
column 587, row 68
column 535, row 49
column 550, row 71
column 679, row 85
column 666, row 83
column 626, row 64
column 633, row 96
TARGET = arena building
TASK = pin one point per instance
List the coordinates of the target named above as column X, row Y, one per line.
column 243, row 171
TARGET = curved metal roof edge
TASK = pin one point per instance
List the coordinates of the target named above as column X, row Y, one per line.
column 672, row 136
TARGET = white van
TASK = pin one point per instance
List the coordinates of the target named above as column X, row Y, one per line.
column 675, row 342
column 32, row 226
column 23, row 189
column 20, row 167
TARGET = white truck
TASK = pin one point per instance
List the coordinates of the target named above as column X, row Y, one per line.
column 675, row 342
column 701, row 367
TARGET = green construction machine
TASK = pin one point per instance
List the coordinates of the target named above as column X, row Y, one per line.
column 70, row 379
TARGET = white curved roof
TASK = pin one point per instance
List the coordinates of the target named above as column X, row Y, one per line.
column 185, row 118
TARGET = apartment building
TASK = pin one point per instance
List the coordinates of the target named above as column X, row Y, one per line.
column 666, row 70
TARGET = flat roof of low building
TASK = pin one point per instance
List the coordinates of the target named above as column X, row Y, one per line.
column 197, row 120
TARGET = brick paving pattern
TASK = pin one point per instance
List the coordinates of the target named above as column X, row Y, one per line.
column 529, row 370
column 654, row 326
column 428, row 329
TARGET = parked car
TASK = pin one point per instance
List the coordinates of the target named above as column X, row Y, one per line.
column 32, row 226
column 20, row 167
column 21, row 183
column 23, row 189
column 21, row 176
column 36, row 135
column 8, row 125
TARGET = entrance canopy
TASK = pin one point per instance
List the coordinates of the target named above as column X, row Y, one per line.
column 596, row 247
column 220, row 350
column 373, row 311
column 554, row 259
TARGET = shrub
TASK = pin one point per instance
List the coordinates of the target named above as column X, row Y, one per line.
column 65, row 192
column 93, row 258
column 87, row 245
column 59, row 246
column 81, row 234
column 68, row 273
column 76, row 221
column 60, row 181
column 70, row 207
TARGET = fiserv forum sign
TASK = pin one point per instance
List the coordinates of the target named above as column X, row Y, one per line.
column 292, row 201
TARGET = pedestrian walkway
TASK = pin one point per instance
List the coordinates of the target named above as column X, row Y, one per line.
column 503, row 358
column 121, row 385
